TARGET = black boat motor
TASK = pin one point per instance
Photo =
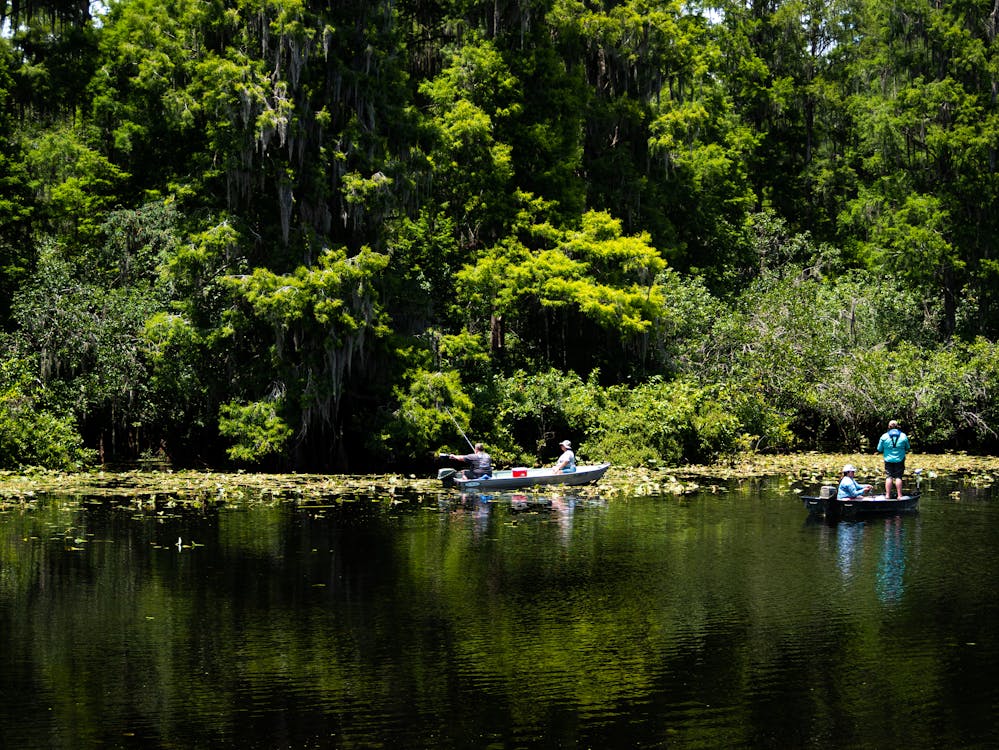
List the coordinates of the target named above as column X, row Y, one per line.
column 447, row 476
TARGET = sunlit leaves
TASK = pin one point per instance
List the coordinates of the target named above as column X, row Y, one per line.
column 535, row 405
column 527, row 168
column 79, row 184
column 478, row 75
column 31, row 432
column 605, row 277
column 257, row 429
column 337, row 294
column 324, row 320
column 433, row 412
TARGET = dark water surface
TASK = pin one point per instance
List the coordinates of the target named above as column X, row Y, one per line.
column 724, row 620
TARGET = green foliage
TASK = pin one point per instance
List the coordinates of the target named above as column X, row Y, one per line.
column 256, row 429
column 707, row 150
column 506, row 185
column 472, row 166
column 194, row 272
column 83, row 313
column 426, row 252
column 433, row 411
column 688, row 310
column 79, row 184
column 662, row 422
column 465, row 352
column 86, row 338
column 534, row 409
column 823, row 355
column 136, row 244
column 31, row 434
column 179, row 383
column 58, row 50
column 656, row 422
column 16, row 204
column 949, row 399
column 313, row 331
column 595, row 281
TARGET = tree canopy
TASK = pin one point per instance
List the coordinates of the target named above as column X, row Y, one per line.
column 293, row 234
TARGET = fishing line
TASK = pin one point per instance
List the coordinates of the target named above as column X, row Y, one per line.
column 459, row 428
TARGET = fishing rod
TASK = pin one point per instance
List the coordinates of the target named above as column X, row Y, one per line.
column 455, row 422
column 459, row 429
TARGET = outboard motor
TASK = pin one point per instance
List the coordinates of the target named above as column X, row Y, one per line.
column 447, row 476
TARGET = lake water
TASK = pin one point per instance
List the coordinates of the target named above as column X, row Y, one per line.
column 717, row 620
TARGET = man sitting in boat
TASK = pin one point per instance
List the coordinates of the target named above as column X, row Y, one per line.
column 567, row 461
column 850, row 487
column 481, row 463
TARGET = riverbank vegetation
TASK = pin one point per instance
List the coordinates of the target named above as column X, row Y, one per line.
column 287, row 235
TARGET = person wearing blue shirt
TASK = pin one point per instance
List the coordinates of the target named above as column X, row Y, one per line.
column 850, row 487
column 894, row 444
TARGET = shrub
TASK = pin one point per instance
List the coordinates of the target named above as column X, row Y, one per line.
column 30, row 433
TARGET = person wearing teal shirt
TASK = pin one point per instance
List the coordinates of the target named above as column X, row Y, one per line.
column 894, row 444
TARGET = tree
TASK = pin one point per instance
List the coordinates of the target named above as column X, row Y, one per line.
column 83, row 315
column 578, row 304
column 16, row 205
column 324, row 322
column 32, row 433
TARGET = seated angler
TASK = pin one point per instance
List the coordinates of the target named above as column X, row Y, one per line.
column 850, row 487
column 480, row 463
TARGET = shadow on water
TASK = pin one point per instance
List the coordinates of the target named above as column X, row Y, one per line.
column 728, row 618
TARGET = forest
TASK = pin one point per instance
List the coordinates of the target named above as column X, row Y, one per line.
column 293, row 235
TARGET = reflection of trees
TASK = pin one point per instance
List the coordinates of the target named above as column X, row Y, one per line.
column 347, row 620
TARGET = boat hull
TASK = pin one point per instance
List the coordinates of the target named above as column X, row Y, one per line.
column 833, row 507
column 505, row 479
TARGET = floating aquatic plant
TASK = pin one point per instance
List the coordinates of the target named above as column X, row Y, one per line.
column 167, row 489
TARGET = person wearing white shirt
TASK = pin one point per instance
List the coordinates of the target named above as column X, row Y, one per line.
column 567, row 461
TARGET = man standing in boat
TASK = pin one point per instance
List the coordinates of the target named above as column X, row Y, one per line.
column 894, row 444
column 480, row 462
column 850, row 487
column 567, row 461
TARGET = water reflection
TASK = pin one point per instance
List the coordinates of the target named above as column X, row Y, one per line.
column 891, row 566
column 887, row 539
column 849, row 537
column 508, row 621
column 512, row 506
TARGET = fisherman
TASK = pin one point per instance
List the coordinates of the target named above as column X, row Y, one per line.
column 480, row 463
column 850, row 487
column 567, row 461
column 894, row 444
